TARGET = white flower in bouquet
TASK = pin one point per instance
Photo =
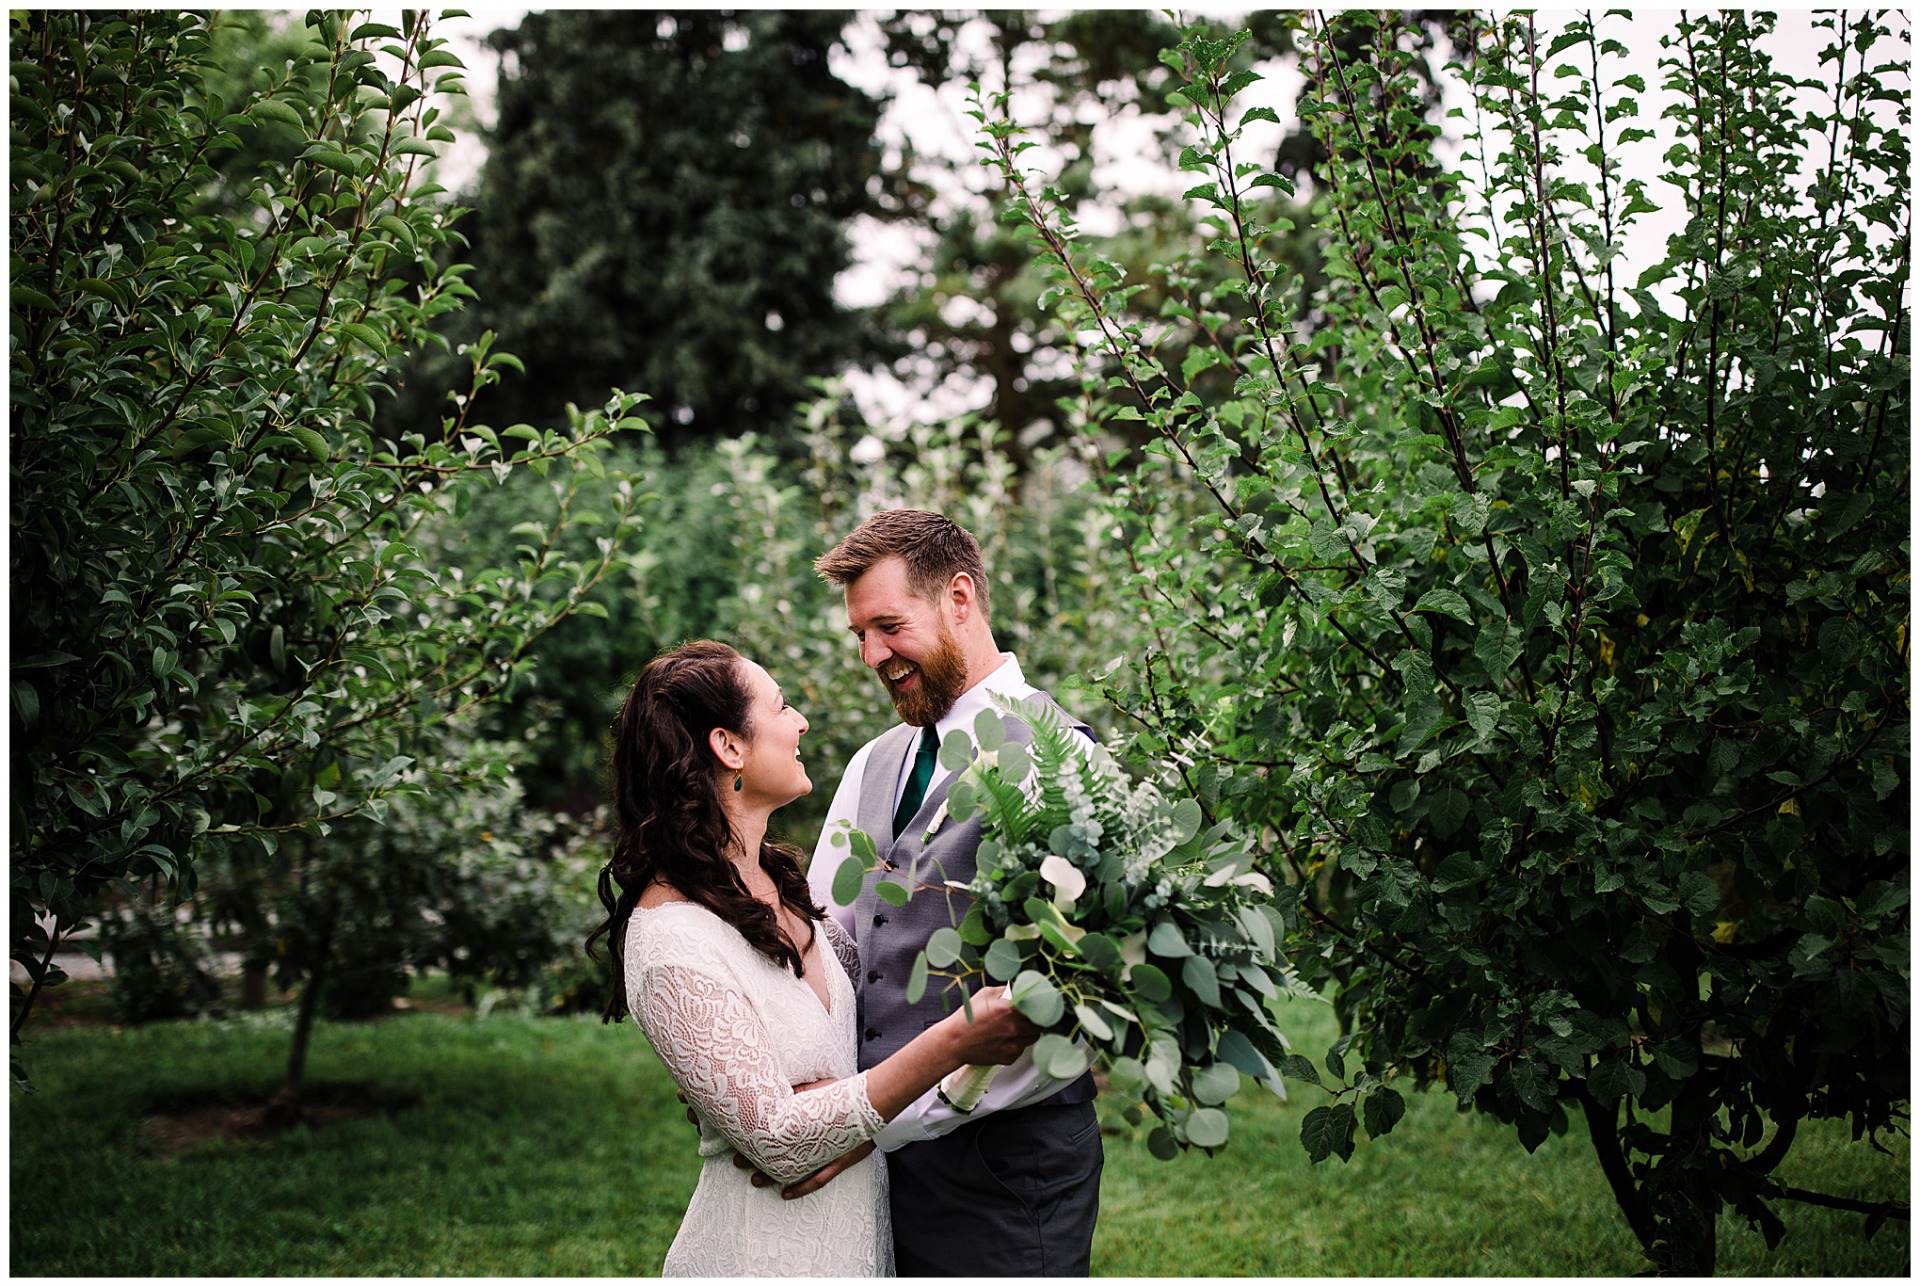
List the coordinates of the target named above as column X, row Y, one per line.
column 1124, row 930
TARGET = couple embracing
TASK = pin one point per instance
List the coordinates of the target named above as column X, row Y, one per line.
column 827, row 1147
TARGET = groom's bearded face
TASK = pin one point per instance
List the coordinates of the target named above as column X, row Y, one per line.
column 925, row 689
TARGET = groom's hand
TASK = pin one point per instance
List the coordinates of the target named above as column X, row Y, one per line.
column 818, row 1180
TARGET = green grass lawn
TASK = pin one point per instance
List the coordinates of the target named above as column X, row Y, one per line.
column 534, row 1147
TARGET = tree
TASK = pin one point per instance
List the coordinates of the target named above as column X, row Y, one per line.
column 663, row 206
column 1551, row 625
column 232, row 617
column 974, row 312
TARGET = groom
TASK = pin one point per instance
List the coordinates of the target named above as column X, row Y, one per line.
column 1011, row 1189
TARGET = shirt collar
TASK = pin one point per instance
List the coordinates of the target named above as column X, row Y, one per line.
column 1006, row 680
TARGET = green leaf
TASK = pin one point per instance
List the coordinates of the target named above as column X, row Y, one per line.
column 1482, row 713
column 1059, row 1057
column 989, row 731
column 1216, row 1083
column 891, row 891
column 1198, row 974
column 1002, row 960
column 917, row 979
column 1446, row 603
column 847, row 880
column 330, row 159
column 1186, row 820
column 1093, row 1022
column 318, row 448
column 41, row 660
column 943, row 947
column 272, row 109
column 1382, row 1110
column 1150, row 982
column 1234, row 1048
column 1100, row 952
column 1496, row 648
column 956, row 751
column 1327, row 1130
column 1034, row 995
column 1447, row 808
column 1166, row 940
column 1207, row 1128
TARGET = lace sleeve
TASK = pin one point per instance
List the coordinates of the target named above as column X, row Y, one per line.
column 844, row 948
column 713, row 1043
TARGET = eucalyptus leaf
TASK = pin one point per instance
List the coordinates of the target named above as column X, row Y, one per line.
column 1197, row 972
column 1215, row 1083
column 989, row 731
column 1150, row 982
column 956, row 751
column 1166, row 940
column 944, row 946
column 1058, row 1057
column 1207, row 1128
column 847, row 880
column 1034, row 995
column 917, row 978
column 1127, row 1075
column 1002, row 960
column 1093, row 1022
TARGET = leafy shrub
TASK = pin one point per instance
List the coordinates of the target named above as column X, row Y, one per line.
column 1550, row 625
column 159, row 969
column 234, row 617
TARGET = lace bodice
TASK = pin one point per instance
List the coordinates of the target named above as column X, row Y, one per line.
column 738, row 1032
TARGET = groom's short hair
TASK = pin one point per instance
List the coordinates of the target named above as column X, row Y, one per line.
column 933, row 546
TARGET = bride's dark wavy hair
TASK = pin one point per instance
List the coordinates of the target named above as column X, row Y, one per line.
column 669, row 825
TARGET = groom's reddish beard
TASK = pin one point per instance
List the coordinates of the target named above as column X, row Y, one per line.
column 943, row 677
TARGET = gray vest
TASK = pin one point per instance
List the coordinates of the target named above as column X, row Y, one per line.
column 890, row 937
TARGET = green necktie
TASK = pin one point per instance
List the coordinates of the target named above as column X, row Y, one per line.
column 917, row 782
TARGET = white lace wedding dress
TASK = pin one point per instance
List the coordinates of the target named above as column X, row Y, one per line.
column 738, row 1033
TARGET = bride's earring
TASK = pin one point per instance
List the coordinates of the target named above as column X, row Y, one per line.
column 737, row 779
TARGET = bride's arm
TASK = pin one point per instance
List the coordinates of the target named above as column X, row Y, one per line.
column 715, row 1047
column 718, row 1053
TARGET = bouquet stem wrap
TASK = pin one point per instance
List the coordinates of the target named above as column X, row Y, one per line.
column 966, row 1085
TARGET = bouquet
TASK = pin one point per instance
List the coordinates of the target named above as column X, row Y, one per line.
column 1120, row 927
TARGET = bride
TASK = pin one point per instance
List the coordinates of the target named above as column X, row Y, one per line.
column 743, row 986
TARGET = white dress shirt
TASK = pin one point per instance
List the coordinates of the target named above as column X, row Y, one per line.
column 1016, row 1084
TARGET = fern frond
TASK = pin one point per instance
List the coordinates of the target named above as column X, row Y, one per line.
column 1004, row 808
column 1055, row 746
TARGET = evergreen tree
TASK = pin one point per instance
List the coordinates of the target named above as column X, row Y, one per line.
column 664, row 208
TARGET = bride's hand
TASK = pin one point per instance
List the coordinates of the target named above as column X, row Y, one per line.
column 997, row 1033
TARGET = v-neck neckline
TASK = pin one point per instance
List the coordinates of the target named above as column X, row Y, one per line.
column 814, row 952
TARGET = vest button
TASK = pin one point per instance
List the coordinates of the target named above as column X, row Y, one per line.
column 879, row 920
column 873, row 976
column 872, row 1035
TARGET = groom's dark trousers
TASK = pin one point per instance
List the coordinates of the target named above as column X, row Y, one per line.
column 1014, row 1193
